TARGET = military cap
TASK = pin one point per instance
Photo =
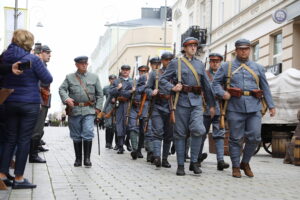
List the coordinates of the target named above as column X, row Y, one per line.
column 81, row 59
column 45, row 48
column 167, row 55
column 242, row 43
column 155, row 60
column 125, row 67
column 216, row 55
column 112, row 76
column 190, row 40
column 143, row 66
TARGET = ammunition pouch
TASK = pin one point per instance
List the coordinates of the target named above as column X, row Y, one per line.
column 235, row 92
column 194, row 89
column 122, row 99
column 257, row 93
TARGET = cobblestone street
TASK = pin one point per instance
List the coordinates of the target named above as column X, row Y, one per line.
column 116, row 176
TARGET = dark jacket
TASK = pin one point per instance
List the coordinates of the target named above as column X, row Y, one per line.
column 26, row 85
column 5, row 68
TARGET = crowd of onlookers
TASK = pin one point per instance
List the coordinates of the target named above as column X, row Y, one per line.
column 24, row 102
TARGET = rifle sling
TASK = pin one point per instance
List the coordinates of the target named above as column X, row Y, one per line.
column 83, row 86
column 192, row 68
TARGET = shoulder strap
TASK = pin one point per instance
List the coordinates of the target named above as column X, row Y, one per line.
column 229, row 75
column 191, row 67
column 83, row 86
column 209, row 75
column 252, row 73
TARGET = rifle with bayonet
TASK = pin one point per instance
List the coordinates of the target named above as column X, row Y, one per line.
column 171, row 101
column 131, row 99
column 224, row 103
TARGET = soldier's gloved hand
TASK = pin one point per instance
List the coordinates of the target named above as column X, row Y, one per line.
column 177, row 87
column 272, row 112
column 119, row 86
column 212, row 111
column 154, row 92
column 226, row 96
column 70, row 102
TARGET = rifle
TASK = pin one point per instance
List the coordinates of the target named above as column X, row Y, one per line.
column 143, row 99
column 131, row 99
column 98, row 138
column 172, row 110
column 152, row 102
column 224, row 103
column 174, row 49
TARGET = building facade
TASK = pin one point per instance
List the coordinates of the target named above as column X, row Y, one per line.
column 132, row 42
column 274, row 44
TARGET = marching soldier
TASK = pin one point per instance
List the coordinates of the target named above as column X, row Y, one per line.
column 108, row 107
column 189, row 77
column 135, row 121
column 122, row 90
column 82, row 93
column 246, row 89
column 161, row 127
column 218, row 133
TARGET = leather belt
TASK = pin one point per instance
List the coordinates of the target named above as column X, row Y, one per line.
column 83, row 104
column 136, row 103
column 163, row 96
column 194, row 89
column 122, row 99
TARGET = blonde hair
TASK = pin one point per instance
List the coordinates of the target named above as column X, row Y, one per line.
column 23, row 38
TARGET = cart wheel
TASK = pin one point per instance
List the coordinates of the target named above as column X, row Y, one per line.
column 268, row 147
column 257, row 149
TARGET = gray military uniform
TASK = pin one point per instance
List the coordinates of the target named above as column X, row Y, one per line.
column 243, row 113
column 189, row 111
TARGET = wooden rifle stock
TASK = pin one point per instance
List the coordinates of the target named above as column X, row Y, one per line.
column 172, row 111
column 144, row 97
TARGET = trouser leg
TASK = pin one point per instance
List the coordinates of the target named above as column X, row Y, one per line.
column 195, row 148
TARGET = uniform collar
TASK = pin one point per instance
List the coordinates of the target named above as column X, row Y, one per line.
column 239, row 62
column 189, row 58
column 125, row 79
column 212, row 72
column 84, row 74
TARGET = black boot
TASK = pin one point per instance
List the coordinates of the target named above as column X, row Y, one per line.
column 78, row 153
column 139, row 154
column 87, row 147
column 195, row 167
column 33, row 153
column 134, row 155
column 165, row 163
column 222, row 165
column 149, row 156
column 157, row 161
column 180, row 170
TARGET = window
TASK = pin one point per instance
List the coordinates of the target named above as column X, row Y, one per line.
column 255, row 52
column 277, row 49
column 237, row 6
column 202, row 14
column 138, row 62
column 191, row 19
column 221, row 13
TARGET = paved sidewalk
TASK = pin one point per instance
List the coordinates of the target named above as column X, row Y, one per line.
column 116, row 176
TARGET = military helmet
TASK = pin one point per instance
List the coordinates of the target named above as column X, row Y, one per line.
column 167, row 55
column 155, row 60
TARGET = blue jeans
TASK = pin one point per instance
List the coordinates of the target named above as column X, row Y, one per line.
column 21, row 119
column 81, row 127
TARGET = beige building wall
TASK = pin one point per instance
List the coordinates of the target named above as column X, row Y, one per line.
column 253, row 20
column 139, row 43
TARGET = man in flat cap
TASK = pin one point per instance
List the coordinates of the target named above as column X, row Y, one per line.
column 36, row 139
column 246, row 88
column 81, row 92
column 108, row 108
column 188, row 80
column 218, row 133
column 122, row 90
